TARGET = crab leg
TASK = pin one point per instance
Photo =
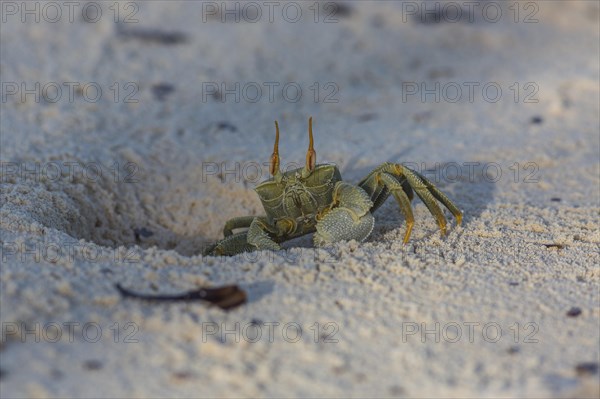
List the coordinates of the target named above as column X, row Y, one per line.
column 403, row 200
column 428, row 199
column 401, row 182
column 237, row 223
column 442, row 198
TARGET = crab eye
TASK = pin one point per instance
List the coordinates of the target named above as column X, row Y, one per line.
column 274, row 165
column 311, row 155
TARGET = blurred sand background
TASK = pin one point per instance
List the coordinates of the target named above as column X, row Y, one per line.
column 153, row 161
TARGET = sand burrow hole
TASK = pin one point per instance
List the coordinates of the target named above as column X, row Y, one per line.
column 144, row 204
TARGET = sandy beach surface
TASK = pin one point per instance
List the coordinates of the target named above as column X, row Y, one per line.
column 131, row 131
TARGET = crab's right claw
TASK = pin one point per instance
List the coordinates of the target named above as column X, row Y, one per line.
column 229, row 246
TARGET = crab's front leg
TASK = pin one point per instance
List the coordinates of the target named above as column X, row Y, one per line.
column 349, row 217
column 237, row 223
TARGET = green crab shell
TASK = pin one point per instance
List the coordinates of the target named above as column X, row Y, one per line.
column 296, row 196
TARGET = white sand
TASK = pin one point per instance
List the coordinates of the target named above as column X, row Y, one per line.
column 519, row 263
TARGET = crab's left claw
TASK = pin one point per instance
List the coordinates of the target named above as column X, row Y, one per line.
column 350, row 219
column 342, row 225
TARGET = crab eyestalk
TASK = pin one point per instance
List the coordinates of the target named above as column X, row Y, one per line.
column 274, row 165
column 311, row 155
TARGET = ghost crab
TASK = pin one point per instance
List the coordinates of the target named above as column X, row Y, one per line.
column 315, row 199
